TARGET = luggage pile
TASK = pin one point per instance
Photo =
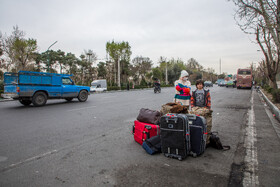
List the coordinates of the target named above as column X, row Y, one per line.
column 176, row 134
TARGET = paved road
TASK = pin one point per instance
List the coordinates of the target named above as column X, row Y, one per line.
column 89, row 144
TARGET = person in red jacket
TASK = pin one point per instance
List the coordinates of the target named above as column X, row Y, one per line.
column 183, row 89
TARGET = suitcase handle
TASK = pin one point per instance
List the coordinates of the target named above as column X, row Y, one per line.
column 175, row 119
column 147, row 135
column 133, row 129
column 191, row 116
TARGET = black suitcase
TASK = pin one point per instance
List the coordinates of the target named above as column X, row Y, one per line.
column 175, row 136
column 198, row 134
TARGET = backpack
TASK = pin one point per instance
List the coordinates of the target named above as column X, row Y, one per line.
column 152, row 145
column 216, row 143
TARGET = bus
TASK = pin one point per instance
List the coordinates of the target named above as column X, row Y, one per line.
column 244, row 78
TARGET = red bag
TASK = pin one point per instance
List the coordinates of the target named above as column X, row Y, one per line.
column 143, row 131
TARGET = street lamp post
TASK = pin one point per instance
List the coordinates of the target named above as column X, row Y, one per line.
column 49, row 56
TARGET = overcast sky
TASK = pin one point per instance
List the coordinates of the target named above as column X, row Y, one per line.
column 204, row 30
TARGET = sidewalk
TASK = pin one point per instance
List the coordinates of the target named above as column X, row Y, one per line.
column 262, row 144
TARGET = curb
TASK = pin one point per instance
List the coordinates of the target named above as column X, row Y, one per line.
column 4, row 100
column 274, row 109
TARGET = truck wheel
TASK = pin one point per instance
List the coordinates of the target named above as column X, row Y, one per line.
column 83, row 95
column 69, row 99
column 25, row 102
column 39, row 99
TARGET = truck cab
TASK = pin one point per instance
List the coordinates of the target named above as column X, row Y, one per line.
column 37, row 87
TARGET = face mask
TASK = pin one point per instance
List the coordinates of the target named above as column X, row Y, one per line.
column 185, row 78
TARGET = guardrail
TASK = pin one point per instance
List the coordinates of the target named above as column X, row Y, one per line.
column 274, row 109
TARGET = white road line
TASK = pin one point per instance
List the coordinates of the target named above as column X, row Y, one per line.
column 81, row 108
column 28, row 160
column 251, row 158
column 108, row 97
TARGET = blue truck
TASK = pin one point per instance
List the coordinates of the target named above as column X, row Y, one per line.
column 37, row 87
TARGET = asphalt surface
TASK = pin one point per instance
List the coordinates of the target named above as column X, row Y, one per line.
column 90, row 143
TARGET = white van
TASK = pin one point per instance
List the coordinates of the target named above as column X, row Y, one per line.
column 98, row 85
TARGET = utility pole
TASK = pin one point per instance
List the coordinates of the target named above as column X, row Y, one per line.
column 166, row 76
column 220, row 66
column 119, row 74
column 49, row 56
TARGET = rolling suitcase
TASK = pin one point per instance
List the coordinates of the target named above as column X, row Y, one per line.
column 143, row 131
column 175, row 135
column 198, row 134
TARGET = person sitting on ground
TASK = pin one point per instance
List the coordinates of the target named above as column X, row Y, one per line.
column 183, row 89
column 201, row 105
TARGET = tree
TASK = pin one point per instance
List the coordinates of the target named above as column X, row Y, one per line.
column 143, row 66
column 194, row 65
column 1, row 53
column 90, row 73
column 222, row 76
column 71, row 63
column 261, row 18
column 49, row 58
column 174, row 70
column 20, row 52
column 60, row 59
column 118, row 51
column 101, row 69
column 164, row 64
column 157, row 74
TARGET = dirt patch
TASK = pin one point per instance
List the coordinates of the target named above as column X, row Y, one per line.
column 165, row 175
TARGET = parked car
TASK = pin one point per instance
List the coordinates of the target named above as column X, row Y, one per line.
column 230, row 84
column 208, row 84
column 219, row 81
column 222, row 83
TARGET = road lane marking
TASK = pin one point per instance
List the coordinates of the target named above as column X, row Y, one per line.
column 28, row 160
column 80, row 108
column 108, row 97
column 251, row 157
column 76, row 144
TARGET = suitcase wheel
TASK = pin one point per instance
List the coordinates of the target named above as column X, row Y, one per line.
column 193, row 154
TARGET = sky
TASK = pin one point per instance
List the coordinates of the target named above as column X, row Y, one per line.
column 181, row 29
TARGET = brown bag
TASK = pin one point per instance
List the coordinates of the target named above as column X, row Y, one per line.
column 173, row 108
column 149, row 116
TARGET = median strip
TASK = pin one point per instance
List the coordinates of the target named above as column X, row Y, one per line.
column 251, row 158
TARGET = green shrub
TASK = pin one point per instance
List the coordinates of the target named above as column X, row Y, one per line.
column 143, row 82
column 110, row 88
column 270, row 90
column 276, row 95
